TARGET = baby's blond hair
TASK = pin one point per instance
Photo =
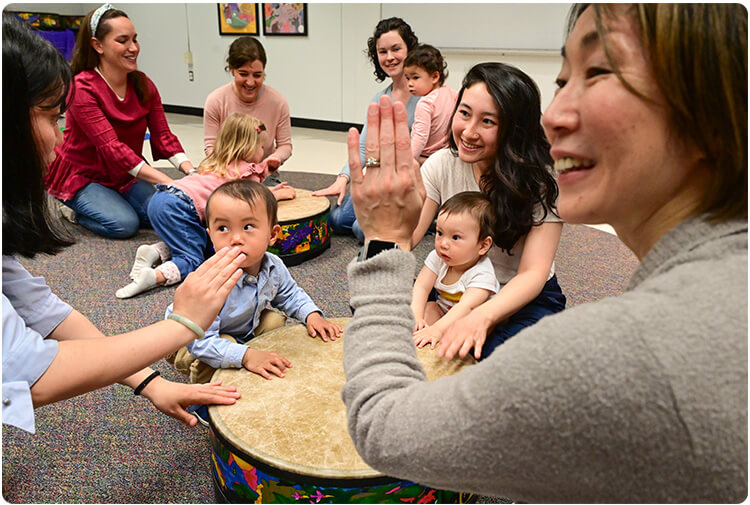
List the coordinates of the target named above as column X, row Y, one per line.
column 238, row 139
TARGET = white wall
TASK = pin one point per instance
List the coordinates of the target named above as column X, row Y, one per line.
column 326, row 75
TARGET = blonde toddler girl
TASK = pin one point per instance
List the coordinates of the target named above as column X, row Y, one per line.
column 178, row 211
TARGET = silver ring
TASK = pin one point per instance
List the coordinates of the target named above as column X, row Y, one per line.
column 372, row 162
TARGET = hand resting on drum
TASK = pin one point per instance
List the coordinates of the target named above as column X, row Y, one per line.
column 262, row 362
column 318, row 325
column 284, row 191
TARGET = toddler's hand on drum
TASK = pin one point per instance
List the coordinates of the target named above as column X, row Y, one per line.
column 317, row 325
column 283, row 191
column 262, row 362
column 172, row 398
column 427, row 335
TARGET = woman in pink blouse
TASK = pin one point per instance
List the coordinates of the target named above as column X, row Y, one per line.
column 249, row 95
column 99, row 171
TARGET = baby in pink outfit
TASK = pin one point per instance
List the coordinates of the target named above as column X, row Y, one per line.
column 425, row 71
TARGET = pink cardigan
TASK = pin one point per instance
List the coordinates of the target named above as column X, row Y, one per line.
column 432, row 119
column 271, row 107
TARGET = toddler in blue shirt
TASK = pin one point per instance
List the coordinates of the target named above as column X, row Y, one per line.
column 242, row 213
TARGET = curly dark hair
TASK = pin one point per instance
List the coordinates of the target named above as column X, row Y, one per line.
column 34, row 74
column 385, row 26
column 521, row 178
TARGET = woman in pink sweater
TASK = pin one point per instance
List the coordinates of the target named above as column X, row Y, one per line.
column 248, row 94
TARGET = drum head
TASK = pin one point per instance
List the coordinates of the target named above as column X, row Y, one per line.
column 298, row 423
column 302, row 206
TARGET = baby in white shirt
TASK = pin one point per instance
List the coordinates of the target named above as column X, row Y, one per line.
column 458, row 269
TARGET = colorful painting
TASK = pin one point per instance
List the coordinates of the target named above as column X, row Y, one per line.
column 239, row 481
column 285, row 19
column 238, row 19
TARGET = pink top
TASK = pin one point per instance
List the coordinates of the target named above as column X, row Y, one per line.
column 271, row 107
column 432, row 119
column 200, row 186
column 103, row 137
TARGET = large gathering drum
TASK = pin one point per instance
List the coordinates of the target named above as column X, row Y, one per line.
column 286, row 440
column 304, row 228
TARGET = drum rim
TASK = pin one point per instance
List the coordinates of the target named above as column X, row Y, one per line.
column 281, row 468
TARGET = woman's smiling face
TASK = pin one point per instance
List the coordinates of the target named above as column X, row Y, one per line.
column 475, row 126
column 392, row 52
column 617, row 159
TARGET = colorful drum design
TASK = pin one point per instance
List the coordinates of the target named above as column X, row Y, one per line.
column 304, row 228
column 286, row 439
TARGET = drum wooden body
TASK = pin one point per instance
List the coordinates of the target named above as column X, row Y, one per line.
column 304, row 228
column 286, row 439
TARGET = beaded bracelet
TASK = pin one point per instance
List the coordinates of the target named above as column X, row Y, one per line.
column 188, row 324
column 145, row 382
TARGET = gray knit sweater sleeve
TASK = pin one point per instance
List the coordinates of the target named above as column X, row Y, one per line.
column 582, row 406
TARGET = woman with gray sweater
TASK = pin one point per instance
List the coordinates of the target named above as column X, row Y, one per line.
column 639, row 397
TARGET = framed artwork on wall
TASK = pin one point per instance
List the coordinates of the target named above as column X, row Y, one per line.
column 285, row 19
column 238, row 19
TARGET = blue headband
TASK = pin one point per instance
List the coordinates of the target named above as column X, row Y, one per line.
column 97, row 15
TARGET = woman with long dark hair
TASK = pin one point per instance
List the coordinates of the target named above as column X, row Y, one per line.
column 100, row 172
column 50, row 350
column 497, row 146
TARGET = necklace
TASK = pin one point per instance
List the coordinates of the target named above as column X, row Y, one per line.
column 108, row 84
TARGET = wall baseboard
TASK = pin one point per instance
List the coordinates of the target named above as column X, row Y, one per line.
column 317, row 124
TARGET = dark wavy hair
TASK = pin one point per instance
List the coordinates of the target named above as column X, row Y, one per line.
column 385, row 26
column 34, row 74
column 85, row 58
column 520, row 179
column 429, row 59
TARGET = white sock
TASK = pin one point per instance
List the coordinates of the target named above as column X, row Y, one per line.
column 145, row 257
column 146, row 280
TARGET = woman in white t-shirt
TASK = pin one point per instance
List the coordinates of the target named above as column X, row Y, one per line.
column 498, row 147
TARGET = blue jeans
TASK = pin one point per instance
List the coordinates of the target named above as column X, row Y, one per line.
column 175, row 219
column 550, row 301
column 110, row 214
column 343, row 220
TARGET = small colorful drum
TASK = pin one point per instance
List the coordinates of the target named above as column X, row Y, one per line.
column 304, row 228
column 286, row 440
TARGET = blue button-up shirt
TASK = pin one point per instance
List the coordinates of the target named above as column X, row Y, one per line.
column 240, row 314
column 30, row 313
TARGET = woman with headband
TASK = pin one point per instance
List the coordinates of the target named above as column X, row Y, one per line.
column 99, row 171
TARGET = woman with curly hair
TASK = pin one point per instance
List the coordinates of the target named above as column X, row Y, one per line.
column 387, row 49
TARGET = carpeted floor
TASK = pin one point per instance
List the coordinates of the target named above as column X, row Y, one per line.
column 110, row 447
